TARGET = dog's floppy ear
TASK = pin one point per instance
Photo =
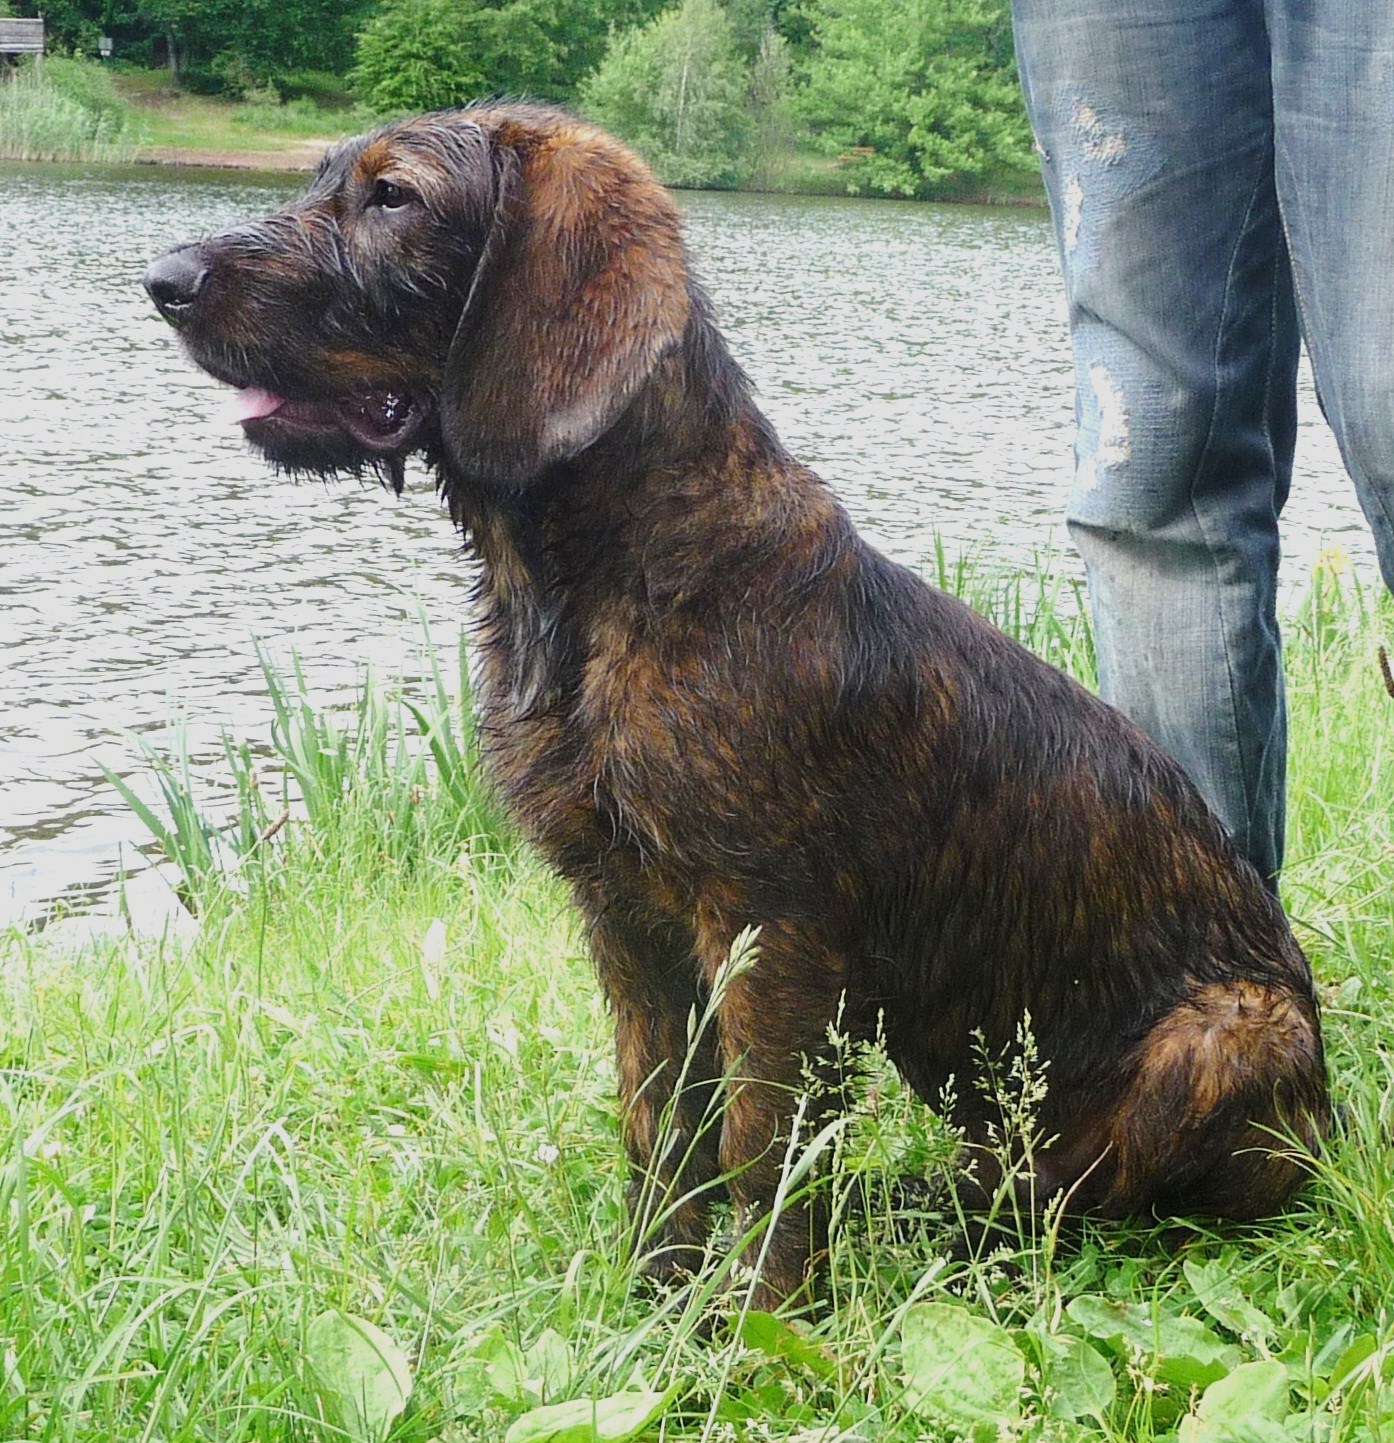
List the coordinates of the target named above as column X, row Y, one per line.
column 580, row 291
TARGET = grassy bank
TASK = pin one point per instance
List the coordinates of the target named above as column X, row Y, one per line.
column 378, row 1087
column 171, row 121
column 797, row 171
column 80, row 111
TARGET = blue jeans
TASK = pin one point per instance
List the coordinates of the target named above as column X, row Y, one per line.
column 1221, row 176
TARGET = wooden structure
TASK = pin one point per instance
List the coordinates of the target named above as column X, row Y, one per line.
column 21, row 37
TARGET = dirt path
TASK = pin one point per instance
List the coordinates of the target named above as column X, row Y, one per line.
column 303, row 156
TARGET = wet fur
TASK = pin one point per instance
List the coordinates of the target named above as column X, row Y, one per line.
column 711, row 705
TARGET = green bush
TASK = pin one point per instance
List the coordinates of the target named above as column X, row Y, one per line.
column 268, row 115
column 200, row 79
column 90, row 85
column 239, row 78
column 328, row 92
column 920, row 97
column 428, row 54
column 676, row 89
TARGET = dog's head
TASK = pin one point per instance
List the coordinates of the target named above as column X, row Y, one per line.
column 492, row 286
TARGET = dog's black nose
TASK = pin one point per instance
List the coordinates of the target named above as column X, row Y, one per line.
column 174, row 281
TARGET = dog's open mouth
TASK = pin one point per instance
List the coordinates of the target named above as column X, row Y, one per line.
column 383, row 421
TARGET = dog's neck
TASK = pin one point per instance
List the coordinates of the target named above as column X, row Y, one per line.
column 687, row 491
column 690, row 478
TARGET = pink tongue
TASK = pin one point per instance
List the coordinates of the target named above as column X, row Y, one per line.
column 253, row 404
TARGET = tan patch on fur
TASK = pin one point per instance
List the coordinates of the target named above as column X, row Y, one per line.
column 372, row 160
column 381, row 370
column 1224, row 1037
column 1229, row 1043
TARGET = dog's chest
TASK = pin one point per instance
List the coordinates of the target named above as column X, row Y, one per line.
column 603, row 738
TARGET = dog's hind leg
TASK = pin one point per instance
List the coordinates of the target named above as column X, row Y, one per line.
column 1226, row 1104
column 668, row 1081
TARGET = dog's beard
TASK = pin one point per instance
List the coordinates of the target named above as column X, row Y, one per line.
column 371, row 430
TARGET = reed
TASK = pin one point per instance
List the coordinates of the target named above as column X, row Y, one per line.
column 63, row 110
column 390, row 780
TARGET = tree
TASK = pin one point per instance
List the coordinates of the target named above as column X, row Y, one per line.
column 429, row 54
column 922, row 92
column 771, row 124
column 69, row 25
column 269, row 38
column 173, row 20
column 257, row 39
column 580, row 32
column 751, row 21
column 676, row 89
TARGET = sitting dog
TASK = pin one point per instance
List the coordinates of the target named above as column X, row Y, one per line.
column 711, row 705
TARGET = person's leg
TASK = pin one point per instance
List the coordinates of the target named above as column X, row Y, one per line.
column 1154, row 122
column 1333, row 81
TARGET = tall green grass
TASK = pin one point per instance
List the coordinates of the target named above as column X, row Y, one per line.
column 61, row 109
column 390, row 783
column 377, row 1093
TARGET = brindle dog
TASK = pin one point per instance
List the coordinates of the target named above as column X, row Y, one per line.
column 711, row 704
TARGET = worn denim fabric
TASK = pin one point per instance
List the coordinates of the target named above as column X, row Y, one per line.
column 1221, row 176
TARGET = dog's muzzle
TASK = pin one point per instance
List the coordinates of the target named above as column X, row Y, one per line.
column 174, row 281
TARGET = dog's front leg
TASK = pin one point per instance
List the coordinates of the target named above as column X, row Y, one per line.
column 668, row 1082
column 774, row 1024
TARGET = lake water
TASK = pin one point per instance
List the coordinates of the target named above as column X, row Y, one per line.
column 915, row 355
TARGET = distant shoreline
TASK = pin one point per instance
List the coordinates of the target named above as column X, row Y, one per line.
column 304, row 156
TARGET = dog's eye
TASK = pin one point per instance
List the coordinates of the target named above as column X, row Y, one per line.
column 390, row 196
